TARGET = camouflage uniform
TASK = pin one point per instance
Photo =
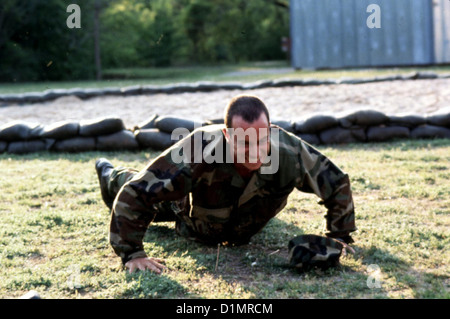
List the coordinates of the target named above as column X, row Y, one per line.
column 312, row 251
column 212, row 203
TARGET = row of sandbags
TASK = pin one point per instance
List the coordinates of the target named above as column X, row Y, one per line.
column 109, row 134
column 106, row 134
column 52, row 94
column 367, row 126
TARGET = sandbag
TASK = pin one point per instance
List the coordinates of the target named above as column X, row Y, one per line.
column 112, row 91
column 309, row 138
column 258, row 85
column 359, row 133
column 285, row 83
column 49, row 142
column 12, row 98
column 315, row 123
column 363, row 118
column 16, row 131
column 33, row 97
column 314, row 82
column 23, row 147
column 123, row 140
column 177, row 88
column 385, row 133
column 285, row 125
column 168, row 124
column 409, row 120
column 213, row 121
column 78, row 92
column 149, row 123
column 339, row 135
column 53, row 94
column 3, row 146
column 439, row 120
column 207, row 86
column 98, row 127
column 426, row 75
column 94, row 92
column 345, row 80
column 231, row 86
column 60, row 130
column 85, row 93
column 154, row 138
column 35, row 132
column 76, row 144
column 430, row 131
column 131, row 90
column 150, row 89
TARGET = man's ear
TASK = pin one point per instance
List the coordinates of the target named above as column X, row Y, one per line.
column 225, row 133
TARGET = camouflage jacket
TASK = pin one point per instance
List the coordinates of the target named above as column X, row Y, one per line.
column 214, row 204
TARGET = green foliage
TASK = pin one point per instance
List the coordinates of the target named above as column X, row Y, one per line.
column 137, row 33
column 37, row 45
column 235, row 30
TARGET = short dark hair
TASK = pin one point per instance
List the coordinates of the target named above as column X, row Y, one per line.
column 248, row 106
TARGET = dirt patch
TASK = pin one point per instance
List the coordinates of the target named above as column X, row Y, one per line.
column 287, row 103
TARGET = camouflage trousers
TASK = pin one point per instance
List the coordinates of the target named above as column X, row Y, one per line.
column 166, row 211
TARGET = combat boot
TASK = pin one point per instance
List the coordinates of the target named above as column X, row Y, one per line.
column 104, row 169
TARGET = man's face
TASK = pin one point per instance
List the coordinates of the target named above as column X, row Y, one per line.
column 250, row 141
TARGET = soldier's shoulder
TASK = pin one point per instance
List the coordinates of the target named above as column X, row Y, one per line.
column 288, row 142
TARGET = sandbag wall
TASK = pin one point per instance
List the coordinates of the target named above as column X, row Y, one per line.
column 110, row 134
column 367, row 126
column 106, row 134
column 84, row 94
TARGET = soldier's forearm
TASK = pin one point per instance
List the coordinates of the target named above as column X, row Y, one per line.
column 129, row 223
column 341, row 213
column 127, row 245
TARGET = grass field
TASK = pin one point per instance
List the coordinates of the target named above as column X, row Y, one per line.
column 244, row 72
column 54, row 229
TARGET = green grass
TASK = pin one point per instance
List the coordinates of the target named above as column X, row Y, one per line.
column 244, row 72
column 54, row 230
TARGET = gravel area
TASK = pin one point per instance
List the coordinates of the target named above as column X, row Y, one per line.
column 289, row 103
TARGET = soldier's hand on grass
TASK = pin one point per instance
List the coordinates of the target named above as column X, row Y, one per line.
column 346, row 248
column 152, row 264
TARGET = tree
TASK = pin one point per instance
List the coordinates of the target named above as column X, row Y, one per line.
column 36, row 44
column 196, row 25
column 98, row 64
column 157, row 40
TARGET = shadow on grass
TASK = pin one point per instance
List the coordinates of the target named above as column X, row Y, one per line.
column 232, row 264
column 261, row 268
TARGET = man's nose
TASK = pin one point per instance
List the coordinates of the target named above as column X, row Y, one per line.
column 252, row 152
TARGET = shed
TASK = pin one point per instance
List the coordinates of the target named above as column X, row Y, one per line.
column 339, row 33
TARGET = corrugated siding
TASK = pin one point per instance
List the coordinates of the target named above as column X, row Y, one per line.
column 334, row 33
column 441, row 19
